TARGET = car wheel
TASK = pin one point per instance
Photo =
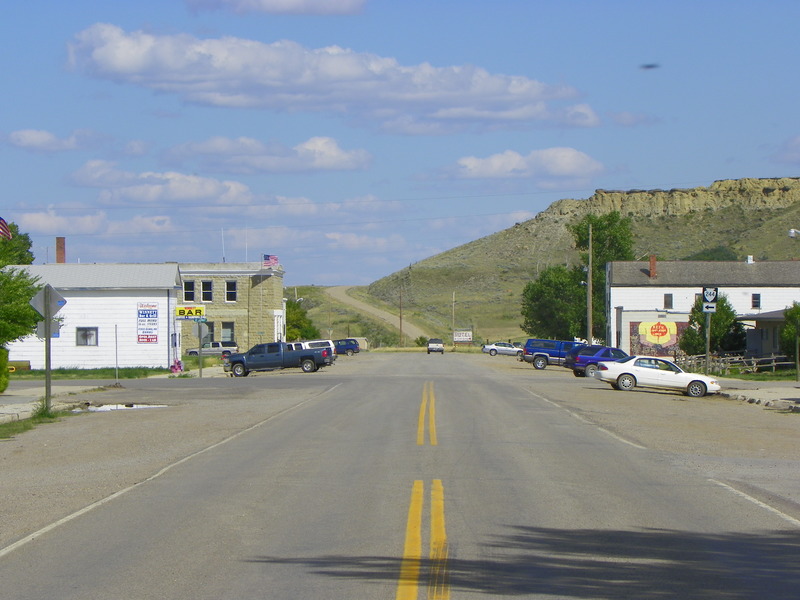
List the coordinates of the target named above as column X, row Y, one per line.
column 308, row 366
column 590, row 370
column 192, row 353
column 492, row 352
column 539, row 362
column 578, row 373
column 626, row 382
column 238, row 370
column 696, row 389
column 350, row 353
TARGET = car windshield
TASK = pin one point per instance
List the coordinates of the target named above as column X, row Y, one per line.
column 626, row 359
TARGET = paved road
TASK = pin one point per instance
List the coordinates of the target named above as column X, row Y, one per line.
column 409, row 329
column 411, row 476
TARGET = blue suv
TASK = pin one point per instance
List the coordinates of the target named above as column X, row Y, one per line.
column 347, row 346
column 583, row 360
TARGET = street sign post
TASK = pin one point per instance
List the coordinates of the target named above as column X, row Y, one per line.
column 47, row 302
column 709, row 306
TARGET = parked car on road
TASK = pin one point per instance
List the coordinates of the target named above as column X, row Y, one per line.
column 435, row 345
column 347, row 346
column 654, row 372
column 541, row 353
column 215, row 349
column 583, row 360
column 501, row 348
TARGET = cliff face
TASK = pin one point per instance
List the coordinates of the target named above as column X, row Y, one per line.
column 747, row 194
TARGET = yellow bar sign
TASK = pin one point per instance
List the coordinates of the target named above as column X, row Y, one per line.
column 190, row 312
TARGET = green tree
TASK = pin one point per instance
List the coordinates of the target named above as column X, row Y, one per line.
column 552, row 304
column 727, row 334
column 17, row 317
column 298, row 324
column 791, row 330
column 17, row 250
column 612, row 239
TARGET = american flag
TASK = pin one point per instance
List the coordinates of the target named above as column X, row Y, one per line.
column 5, row 232
column 270, row 260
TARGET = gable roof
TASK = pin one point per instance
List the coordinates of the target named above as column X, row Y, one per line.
column 687, row 273
column 93, row 276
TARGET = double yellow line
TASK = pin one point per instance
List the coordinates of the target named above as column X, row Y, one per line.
column 411, row 567
column 428, row 405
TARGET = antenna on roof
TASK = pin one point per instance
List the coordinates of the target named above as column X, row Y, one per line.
column 222, row 232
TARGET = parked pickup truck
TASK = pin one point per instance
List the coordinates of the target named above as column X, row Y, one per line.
column 541, row 353
column 276, row 355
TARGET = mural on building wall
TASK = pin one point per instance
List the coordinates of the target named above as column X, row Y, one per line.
column 656, row 338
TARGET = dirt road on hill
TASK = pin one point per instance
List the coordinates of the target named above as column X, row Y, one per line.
column 409, row 330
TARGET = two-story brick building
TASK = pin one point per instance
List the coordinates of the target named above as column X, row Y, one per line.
column 243, row 302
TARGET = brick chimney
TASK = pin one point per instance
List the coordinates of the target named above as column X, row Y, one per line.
column 61, row 250
column 652, row 266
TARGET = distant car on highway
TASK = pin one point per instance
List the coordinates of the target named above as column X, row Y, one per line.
column 501, row 348
column 655, row 372
column 435, row 345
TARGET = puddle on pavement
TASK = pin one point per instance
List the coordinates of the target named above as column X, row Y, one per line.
column 108, row 407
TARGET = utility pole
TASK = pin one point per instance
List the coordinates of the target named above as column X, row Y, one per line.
column 589, row 336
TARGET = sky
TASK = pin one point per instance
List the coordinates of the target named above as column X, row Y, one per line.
column 352, row 138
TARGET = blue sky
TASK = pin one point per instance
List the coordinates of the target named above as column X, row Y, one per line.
column 352, row 138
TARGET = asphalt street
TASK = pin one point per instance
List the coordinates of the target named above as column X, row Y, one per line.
column 407, row 476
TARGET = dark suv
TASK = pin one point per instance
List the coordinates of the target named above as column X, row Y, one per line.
column 347, row 346
column 583, row 360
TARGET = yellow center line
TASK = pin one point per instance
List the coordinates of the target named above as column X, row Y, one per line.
column 432, row 414
column 428, row 405
column 438, row 587
column 438, row 584
column 421, row 420
column 408, row 585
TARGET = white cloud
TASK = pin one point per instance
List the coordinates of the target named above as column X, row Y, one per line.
column 48, row 222
column 285, row 76
column 40, row 140
column 247, row 155
column 150, row 187
column 297, row 7
column 559, row 163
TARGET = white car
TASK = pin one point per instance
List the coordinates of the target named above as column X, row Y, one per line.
column 654, row 372
column 502, row 348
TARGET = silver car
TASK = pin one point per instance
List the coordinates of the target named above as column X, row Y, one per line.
column 502, row 348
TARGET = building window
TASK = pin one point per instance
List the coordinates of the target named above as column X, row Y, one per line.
column 188, row 291
column 667, row 301
column 206, row 291
column 86, row 336
column 230, row 291
column 756, row 301
column 228, row 332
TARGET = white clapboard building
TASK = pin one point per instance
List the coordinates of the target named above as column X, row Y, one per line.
column 115, row 315
column 648, row 303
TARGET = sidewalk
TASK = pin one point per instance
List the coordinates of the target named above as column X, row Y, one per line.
column 22, row 398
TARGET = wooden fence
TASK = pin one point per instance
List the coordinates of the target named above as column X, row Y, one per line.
column 723, row 365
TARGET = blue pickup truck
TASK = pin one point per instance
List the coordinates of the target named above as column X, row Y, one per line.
column 541, row 353
column 276, row 355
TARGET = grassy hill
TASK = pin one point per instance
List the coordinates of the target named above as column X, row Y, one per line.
column 486, row 277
